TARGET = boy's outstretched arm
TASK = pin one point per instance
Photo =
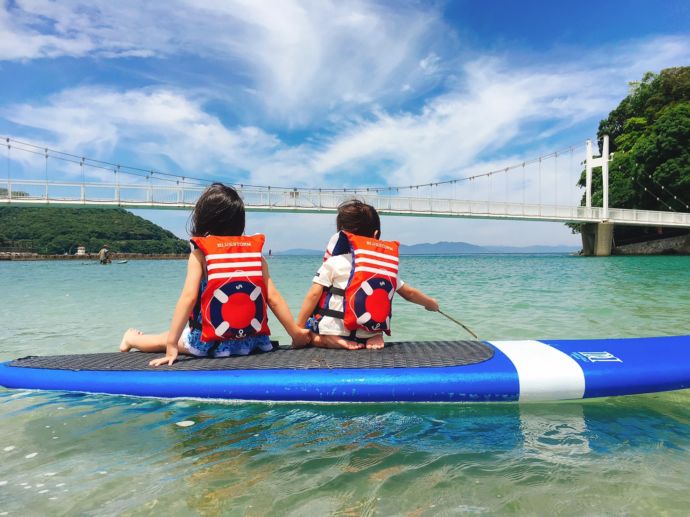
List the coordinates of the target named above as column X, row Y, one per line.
column 416, row 296
column 300, row 336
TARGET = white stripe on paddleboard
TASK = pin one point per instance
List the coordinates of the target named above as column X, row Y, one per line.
column 544, row 372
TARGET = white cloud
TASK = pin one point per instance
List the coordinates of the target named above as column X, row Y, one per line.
column 36, row 29
column 430, row 63
column 302, row 58
column 457, row 128
column 151, row 123
column 466, row 126
column 299, row 62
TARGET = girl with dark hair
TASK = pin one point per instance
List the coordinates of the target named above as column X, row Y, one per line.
column 222, row 308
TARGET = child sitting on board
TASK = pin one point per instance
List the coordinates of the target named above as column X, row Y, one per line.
column 349, row 303
column 222, row 308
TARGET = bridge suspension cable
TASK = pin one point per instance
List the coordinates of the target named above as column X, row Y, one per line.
column 487, row 174
column 666, row 197
column 683, row 204
column 458, row 197
column 186, row 179
column 82, row 161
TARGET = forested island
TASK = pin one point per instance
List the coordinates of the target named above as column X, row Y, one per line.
column 649, row 135
column 52, row 230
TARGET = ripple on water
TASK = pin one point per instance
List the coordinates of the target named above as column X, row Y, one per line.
column 118, row 455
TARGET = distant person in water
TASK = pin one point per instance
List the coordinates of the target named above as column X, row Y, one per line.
column 104, row 255
column 222, row 308
column 349, row 303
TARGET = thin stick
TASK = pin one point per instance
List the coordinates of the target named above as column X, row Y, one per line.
column 461, row 324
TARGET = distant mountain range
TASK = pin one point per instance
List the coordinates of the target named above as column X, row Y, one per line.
column 453, row 248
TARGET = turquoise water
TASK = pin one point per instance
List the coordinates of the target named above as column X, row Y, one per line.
column 89, row 454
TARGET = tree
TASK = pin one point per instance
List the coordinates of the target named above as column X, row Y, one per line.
column 649, row 135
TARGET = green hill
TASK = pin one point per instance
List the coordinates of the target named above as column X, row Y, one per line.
column 49, row 230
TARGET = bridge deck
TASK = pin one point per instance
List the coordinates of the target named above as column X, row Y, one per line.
column 133, row 196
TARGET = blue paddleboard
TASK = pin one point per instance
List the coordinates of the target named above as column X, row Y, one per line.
column 444, row 371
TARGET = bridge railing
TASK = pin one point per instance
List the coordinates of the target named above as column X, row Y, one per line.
column 184, row 197
column 649, row 217
column 75, row 193
column 89, row 193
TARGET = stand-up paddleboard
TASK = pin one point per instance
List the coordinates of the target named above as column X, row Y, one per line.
column 442, row 371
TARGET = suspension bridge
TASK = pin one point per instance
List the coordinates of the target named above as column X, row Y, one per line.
column 541, row 189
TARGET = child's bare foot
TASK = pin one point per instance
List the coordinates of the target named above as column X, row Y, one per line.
column 125, row 345
column 375, row 342
column 334, row 342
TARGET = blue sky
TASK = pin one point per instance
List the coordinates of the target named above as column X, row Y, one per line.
column 328, row 93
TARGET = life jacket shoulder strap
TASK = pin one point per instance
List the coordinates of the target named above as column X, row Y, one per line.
column 325, row 310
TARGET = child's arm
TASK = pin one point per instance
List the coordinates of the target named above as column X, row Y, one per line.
column 185, row 304
column 309, row 304
column 300, row 336
column 416, row 296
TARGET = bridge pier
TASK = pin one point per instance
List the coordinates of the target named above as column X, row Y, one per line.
column 597, row 239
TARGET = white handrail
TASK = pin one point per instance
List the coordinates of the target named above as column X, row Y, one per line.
column 41, row 192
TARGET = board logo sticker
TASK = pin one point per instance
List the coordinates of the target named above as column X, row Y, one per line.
column 597, row 357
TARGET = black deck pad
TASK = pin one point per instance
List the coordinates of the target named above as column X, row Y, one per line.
column 411, row 354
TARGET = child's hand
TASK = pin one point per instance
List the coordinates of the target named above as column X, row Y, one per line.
column 335, row 342
column 169, row 358
column 301, row 338
column 432, row 305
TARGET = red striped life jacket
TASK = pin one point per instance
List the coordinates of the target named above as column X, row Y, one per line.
column 372, row 284
column 233, row 304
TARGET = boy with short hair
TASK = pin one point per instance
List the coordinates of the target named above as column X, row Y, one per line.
column 348, row 305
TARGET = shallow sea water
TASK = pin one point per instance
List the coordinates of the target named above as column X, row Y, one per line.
column 67, row 454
